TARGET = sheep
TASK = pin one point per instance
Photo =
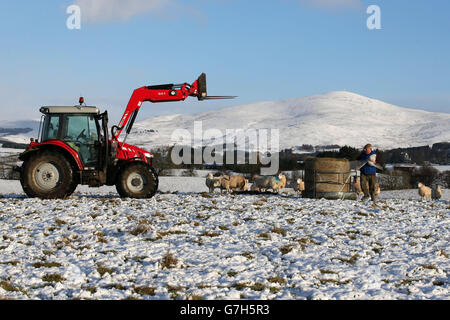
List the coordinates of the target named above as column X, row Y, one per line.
column 233, row 183
column 269, row 182
column 436, row 192
column 424, row 191
column 213, row 182
column 300, row 186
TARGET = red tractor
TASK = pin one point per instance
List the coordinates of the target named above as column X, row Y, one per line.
column 74, row 147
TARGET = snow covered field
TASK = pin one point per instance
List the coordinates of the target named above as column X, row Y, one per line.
column 192, row 245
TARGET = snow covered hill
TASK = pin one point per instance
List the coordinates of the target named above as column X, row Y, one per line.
column 341, row 118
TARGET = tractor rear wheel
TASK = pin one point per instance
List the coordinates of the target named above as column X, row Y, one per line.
column 47, row 175
column 137, row 181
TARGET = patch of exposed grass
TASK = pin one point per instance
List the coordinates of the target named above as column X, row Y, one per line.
column 257, row 286
column 278, row 280
column 336, row 282
column 247, row 254
column 224, row 228
column 377, row 250
column 203, row 217
column 351, row 260
column 194, row 297
column 231, row 274
column 286, row 249
column 53, row 277
column 205, row 195
column 430, row 267
column 142, row 227
column 116, row 286
column 60, row 222
column 145, row 291
column 170, row 232
column 174, row 291
column 11, row 263
column 258, row 203
column 65, row 242
column 90, row 289
column 210, row 234
column 101, row 269
column 305, row 242
column 46, row 265
column 290, row 220
column 8, row 286
column 279, row 231
column 169, row 261
column 326, row 271
column 264, row 235
column 239, row 286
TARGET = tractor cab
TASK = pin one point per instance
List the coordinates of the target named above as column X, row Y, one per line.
column 78, row 127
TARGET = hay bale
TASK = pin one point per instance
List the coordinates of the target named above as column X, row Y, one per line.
column 326, row 175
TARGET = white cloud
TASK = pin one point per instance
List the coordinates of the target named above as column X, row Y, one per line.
column 99, row 11
column 334, row 4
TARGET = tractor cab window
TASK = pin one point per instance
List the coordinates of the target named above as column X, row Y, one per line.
column 50, row 128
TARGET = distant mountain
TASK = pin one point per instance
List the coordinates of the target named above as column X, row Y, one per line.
column 19, row 131
column 341, row 118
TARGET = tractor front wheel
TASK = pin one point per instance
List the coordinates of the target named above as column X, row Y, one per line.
column 47, row 175
column 137, row 181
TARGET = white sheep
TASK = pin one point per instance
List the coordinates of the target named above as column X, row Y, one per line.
column 269, row 182
column 424, row 191
column 233, row 183
column 300, row 187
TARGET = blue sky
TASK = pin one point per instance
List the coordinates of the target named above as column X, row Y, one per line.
column 258, row 50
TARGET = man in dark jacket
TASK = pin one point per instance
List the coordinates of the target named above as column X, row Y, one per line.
column 368, row 172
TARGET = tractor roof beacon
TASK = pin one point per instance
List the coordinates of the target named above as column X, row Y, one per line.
column 76, row 147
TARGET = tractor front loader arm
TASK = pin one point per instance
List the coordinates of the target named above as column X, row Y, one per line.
column 161, row 93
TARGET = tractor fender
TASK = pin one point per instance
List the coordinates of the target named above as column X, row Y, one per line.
column 57, row 146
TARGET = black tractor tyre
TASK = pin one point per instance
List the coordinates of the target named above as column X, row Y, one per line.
column 47, row 175
column 138, row 181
